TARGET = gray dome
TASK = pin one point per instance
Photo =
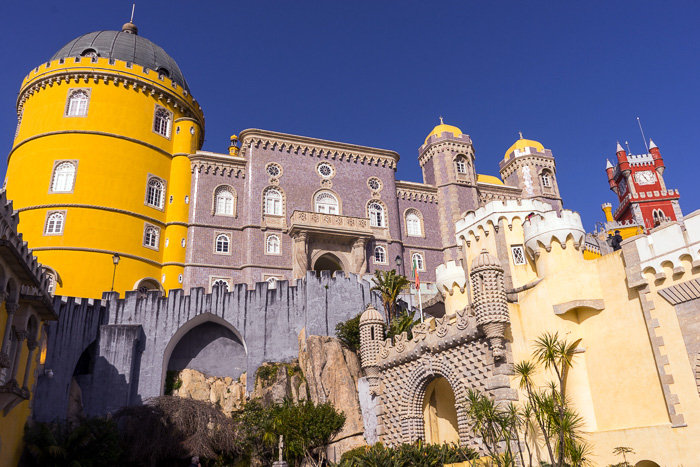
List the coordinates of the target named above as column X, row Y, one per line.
column 126, row 46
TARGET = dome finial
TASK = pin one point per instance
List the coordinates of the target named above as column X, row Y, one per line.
column 441, row 122
column 521, row 134
column 130, row 27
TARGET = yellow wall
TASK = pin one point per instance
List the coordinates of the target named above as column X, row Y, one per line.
column 439, row 413
column 106, row 212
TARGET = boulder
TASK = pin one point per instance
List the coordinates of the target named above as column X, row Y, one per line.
column 224, row 391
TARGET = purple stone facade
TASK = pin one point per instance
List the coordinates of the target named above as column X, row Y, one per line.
column 312, row 236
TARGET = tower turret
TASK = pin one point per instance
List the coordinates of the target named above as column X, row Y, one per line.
column 490, row 305
column 371, row 335
column 610, row 170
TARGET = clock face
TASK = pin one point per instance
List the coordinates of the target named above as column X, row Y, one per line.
column 646, row 177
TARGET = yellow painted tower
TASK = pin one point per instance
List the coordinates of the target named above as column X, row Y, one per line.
column 105, row 129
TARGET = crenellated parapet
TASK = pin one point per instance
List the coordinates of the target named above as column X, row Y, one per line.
column 488, row 217
column 543, row 229
column 430, row 337
column 667, row 246
column 449, row 275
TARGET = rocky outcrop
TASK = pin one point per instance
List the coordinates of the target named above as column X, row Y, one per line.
column 228, row 394
column 331, row 372
column 275, row 382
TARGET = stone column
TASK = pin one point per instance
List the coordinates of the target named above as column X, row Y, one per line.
column 359, row 256
column 31, row 345
column 11, row 308
column 21, row 337
column 300, row 252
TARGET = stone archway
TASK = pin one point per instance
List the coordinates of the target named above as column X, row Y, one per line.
column 440, row 413
column 425, row 372
column 328, row 262
column 208, row 344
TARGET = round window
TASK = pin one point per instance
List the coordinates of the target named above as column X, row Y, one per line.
column 273, row 170
column 374, row 184
column 325, row 170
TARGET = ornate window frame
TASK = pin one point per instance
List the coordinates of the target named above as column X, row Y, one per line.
column 283, row 201
column 159, row 203
column 383, row 253
column 142, row 289
column 462, row 166
column 225, row 246
column 332, row 193
column 57, row 228
column 270, row 238
column 517, row 253
column 421, row 254
column 153, row 241
column 162, row 121
column 272, row 280
column 274, row 164
column 373, row 221
column 421, row 225
column 215, row 201
column 546, row 177
column 56, row 165
column 331, row 166
column 77, row 111
column 375, row 179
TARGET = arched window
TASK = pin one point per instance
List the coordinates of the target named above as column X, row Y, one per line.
column 162, row 121
column 150, row 236
column 220, row 283
column 77, row 105
column 92, row 53
column 63, row 177
column 380, row 254
column 155, row 192
column 273, row 202
column 222, row 243
column 546, row 178
column 54, row 223
column 224, row 201
column 461, row 165
column 272, row 282
column 413, row 223
column 147, row 285
column 376, row 215
column 272, row 245
column 418, row 261
column 326, row 203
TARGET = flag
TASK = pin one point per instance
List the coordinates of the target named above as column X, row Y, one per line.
column 415, row 274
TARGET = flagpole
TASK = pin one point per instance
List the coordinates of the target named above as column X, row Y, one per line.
column 420, row 305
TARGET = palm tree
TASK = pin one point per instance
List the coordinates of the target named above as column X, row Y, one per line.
column 389, row 285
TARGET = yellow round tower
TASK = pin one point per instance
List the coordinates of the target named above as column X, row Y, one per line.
column 99, row 169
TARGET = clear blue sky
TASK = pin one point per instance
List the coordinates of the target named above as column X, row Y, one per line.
column 572, row 75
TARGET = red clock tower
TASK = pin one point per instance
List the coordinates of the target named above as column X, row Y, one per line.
column 639, row 184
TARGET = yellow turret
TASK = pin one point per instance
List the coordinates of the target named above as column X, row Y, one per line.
column 100, row 152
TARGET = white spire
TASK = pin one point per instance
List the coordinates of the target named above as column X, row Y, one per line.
column 651, row 144
column 608, row 165
column 619, row 148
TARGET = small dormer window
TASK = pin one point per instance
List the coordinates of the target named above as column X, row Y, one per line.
column 163, row 72
column 92, row 53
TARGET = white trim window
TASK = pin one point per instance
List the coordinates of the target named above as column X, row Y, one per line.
column 273, row 202
column 155, row 192
column 222, row 244
column 418, row 261
column 77, row 103
column 413, row 224
column 224, row 201
column 63, row 177
column 461, row 165
column 162, row 121
column 379, row 255
column 326, row 203
column 546, row 179
column 518, row 255
column 376, row 214
column 272, row 245
column 150, row 236
column 271, row 282
column 54, row 223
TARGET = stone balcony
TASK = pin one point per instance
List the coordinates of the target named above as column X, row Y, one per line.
column 330, row 224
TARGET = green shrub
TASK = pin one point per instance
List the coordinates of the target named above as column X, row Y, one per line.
column 348, row 332
column 407, row 455
column 172, row 382
column 267, row 373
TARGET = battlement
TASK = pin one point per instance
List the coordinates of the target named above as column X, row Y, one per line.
column 541, row 230
column 657, row 195
column 106, row 70
column 448, row 275
column 640, row 159
column 432, row 336
column 665, row 247
column 493, row 212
